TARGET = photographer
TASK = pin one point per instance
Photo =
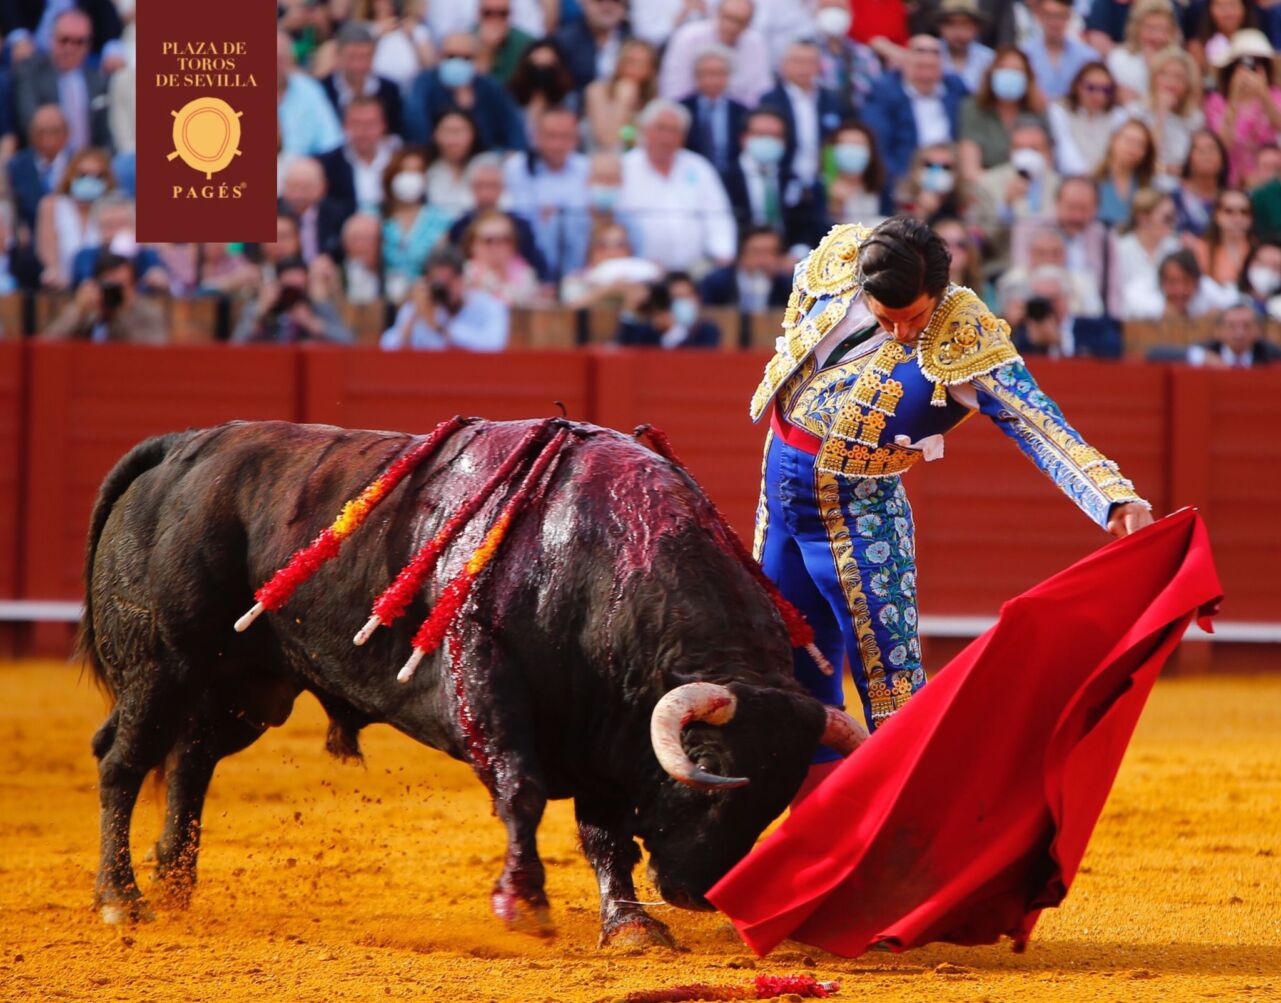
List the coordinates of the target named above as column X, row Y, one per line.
column 285, row 312
column 1049, row 327
column 442, row 312
column 107, row 307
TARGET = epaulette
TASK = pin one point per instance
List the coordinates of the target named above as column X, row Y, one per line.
column 962, row 340
column 831, row 269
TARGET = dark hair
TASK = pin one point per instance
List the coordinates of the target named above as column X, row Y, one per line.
column 1221, row 181
column 524, row 81
column 1182, row 259
column 747, row 233
column 1208, row 29
column 355, row 32
column 765, row 113
column 1094, row 67
column 108, row 263
column 365, row 101
column 1147, row 166
column 290, row 265
column 658, row 298
column 445, row 256
column 1243, row 283
column 1225, row 74
column 874, row 173
column 477, row 146
column 902, row 260
column 1032, row 101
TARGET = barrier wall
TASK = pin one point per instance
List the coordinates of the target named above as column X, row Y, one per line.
column 989, row 524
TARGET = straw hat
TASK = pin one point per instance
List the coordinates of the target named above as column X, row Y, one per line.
column 960, row 8
column 1246, row 42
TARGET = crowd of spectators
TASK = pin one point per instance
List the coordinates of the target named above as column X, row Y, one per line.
column 1091, row 163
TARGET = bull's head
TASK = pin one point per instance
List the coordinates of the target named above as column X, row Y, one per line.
column 739, row 754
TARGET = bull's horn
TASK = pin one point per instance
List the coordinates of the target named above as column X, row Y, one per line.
column 842, row 733
column 691, row 702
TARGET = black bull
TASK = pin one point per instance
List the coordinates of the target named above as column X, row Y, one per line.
column 612, row 591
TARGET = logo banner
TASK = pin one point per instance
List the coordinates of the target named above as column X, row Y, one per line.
column 206, row 121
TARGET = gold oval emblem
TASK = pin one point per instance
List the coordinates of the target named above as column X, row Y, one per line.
column 206, row 135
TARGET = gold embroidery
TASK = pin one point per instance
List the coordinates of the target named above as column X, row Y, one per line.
column 762, row 509
column 798, row 343
column 828, row 492
column 962, row 340
column 902, row 690
column 832, row 267
column 853, row 448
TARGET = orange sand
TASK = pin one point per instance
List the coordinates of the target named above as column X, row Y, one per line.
column 324, row 882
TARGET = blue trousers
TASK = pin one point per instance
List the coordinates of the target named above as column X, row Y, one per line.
column 842, row 550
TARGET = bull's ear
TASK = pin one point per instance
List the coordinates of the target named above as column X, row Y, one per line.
column 780, row 707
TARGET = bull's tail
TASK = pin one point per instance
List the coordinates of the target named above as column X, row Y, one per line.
column 140, row 459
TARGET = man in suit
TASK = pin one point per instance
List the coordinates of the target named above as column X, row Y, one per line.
column 764, row 192
column 810, row 113
column 354, row 76
column 64, row 78
column 1049, row 327
column 487, row 180
column 918, row 108
column 756, row 281
column 454, row 85
column 717, row 121
column 1022, row 188
column 319, row 220
column 36, row 170
column 27, row 25
column 589, row 44
column 1075, row 217
column 1238, row 341
column 354, row 171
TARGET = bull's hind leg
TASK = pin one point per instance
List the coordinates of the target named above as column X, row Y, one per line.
column 613, row 855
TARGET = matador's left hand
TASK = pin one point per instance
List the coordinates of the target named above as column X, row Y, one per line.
column 1129, row 518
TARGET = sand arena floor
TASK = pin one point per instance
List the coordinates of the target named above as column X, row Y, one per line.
column 324, row 882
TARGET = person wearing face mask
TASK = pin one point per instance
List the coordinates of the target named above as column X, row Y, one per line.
column 667, row 317
column 848, row 68
column 455, row 85
column 933, row 190
column 1023, row 188
column 64, row 218
column 1009, row 92
column 757, row 281
column 1261, row 279
column 810, row 112
column 856, row 191
column 763, row 191
column 411, row 228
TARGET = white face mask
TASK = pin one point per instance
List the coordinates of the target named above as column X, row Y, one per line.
column 833, row 21
column 1263, row 280
column 409, row 186
column 1028, row 162
column 939, row 180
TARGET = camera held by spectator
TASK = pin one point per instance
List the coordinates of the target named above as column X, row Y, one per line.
column 668, row 317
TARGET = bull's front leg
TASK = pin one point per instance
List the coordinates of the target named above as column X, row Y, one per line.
column 519, row 899
column 613, row 854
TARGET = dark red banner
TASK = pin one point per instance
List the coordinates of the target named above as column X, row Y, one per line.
column 206, row 120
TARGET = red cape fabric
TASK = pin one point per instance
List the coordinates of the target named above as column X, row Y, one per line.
column 968, row 812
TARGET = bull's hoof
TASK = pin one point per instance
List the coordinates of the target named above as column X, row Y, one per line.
column 125, row 912
column 638, row 931
column 522, row 916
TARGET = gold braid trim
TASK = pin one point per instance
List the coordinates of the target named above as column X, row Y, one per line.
column 762, row 507
column 799, row 341
column 832, row 267
column 962, row 340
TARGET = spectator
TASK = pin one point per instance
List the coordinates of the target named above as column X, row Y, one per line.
column 221, row 268
column 1265, row 197
column 717, row 119
column 612, row 104
column 959, row 23
column 1204, row 175
column 360, row 274
column 355, row 77
column 1082, row 123
column 1129, row 164
column 1134, row 291
column 19, row 267
column 810, row 113
column 303, row 197
column 404, row 45
column 108, row 307
column 1223, row 251
column 1056, row 56
column 764, row 192
column 856, row 193
column 757, row 281
column 411, row 226
column 1151, row 27
column 1171, row 110
column 122, row 107
column 668, row 317
column 499, row 42
column 285, row 313
column 848, row 67
column 308, row 124
column 454, row 142
column 933, row 189
column 442, row 312
column 676, row 197
column 1046, row 246
column 1008, row 93
column 454, row 87
column 64, row 223
column 1220, row 20
column 612, row 274
column 37, row 170
column 354, row 171
column 1021, row 188
column 65, row 78
column 916, row 110
column 730, row 27
column 1266, row 168
column 999, row 25
column 549, row 188
column 1261, row 278
column 1238, row 342
column 530, row 16
column 493, row 262
column 285, row 246
column 1085, row 239
column 112, row 218
column 1245, row 111
column 590, row 44
column 485, row 177
column 541, row 80
column 33, row 27
column 1182, row 295
column 604, row 189
column 965, row 268
column 1049, row 327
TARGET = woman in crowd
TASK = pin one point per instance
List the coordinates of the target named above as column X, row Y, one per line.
column 1134, row 288
column 612, row 270
column 1205, row 174
column 1151, row 27
column 1008, row 91
column 1129, row 165
column 493, row 263
column 856, row 192
column 541, row 80
column 64, row 217
column 933, row 188
column 1245, row 112
column 612, row 105
column 1261, row 278
column 1223, row 251
column 1220, row 20
column 1172, row 110
column 1084, row 120
column 454, row 141
column 966, row 269
column 411, row 226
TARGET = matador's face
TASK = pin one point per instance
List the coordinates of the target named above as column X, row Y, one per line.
column 904, row 324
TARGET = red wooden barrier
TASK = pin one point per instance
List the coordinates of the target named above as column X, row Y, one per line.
column 90, row 403
column 11, row 382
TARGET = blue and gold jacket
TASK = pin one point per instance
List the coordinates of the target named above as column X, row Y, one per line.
column 856, row 409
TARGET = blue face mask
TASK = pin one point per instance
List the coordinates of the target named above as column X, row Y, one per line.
column 684, row 311
column 602, row 197
column 851, row 158
column 456, row 72
column 766, row 150
column 87, row 188
column 1009, row 84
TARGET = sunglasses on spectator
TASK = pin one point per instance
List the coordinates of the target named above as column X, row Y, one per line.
column 494, row 238
column 495, row 13
column 1108, row 89
column 1235, row 210
column 944, row 164
column 925, row 50
column 1249, row 62
column 72, row 39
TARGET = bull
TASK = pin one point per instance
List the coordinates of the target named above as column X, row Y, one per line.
column 615, row 652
